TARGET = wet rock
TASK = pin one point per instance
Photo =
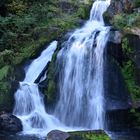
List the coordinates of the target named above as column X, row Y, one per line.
column 19, row 72
column 115, row 37
column 115, row 91
column 9, row 123
column 118, row 119
column 57, row 135
column 136, row 31
column 115, row 51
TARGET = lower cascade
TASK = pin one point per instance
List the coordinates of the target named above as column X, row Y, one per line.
column 80, row 81
column 29, row 106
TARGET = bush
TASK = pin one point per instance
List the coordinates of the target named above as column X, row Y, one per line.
column 17, row 7
column 125, row 22
column 119, row 21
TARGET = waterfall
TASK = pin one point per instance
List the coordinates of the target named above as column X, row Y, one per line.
column 80, row 81
column 81, row 61
column 29, row 105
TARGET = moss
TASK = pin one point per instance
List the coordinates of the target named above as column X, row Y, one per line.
column 50, row 94
column 50, row 91
column 128, row 71
column 125, row 22
column 89, row 135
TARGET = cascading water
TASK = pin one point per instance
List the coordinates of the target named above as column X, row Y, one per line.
column 80, row 86
column 81, row 102
column 29, row 106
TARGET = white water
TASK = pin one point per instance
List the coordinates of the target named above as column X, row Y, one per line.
column 81, row 88
column 35, row 67
column 29, row 105
column 81, row 103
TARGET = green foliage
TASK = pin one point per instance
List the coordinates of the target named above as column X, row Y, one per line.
column 51, row 91
column 96, row 137
column 119, row 21
column 5, row 96
column 125, row 21
column 39, row 20
column 6, row 57
column 28, row 49
column 125, row 47
column 17, row 6
column 14, row 30
column 88, row 136
column 128, row 71
column 3, row 88
column 4, row 72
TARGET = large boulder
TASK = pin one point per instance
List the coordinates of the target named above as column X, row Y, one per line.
column 9, row 123
column 57, row 135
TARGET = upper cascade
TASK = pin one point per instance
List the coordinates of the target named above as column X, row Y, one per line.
column 98, row 8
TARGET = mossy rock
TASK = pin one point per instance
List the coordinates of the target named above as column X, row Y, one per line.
column 78, row 135
column 89, row 135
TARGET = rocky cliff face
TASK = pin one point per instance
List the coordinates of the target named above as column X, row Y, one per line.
column 125, row 17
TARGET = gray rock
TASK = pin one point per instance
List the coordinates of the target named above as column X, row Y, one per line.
column 9, row 123
column 115, row 37
column 57, row 135
column 118, row 6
